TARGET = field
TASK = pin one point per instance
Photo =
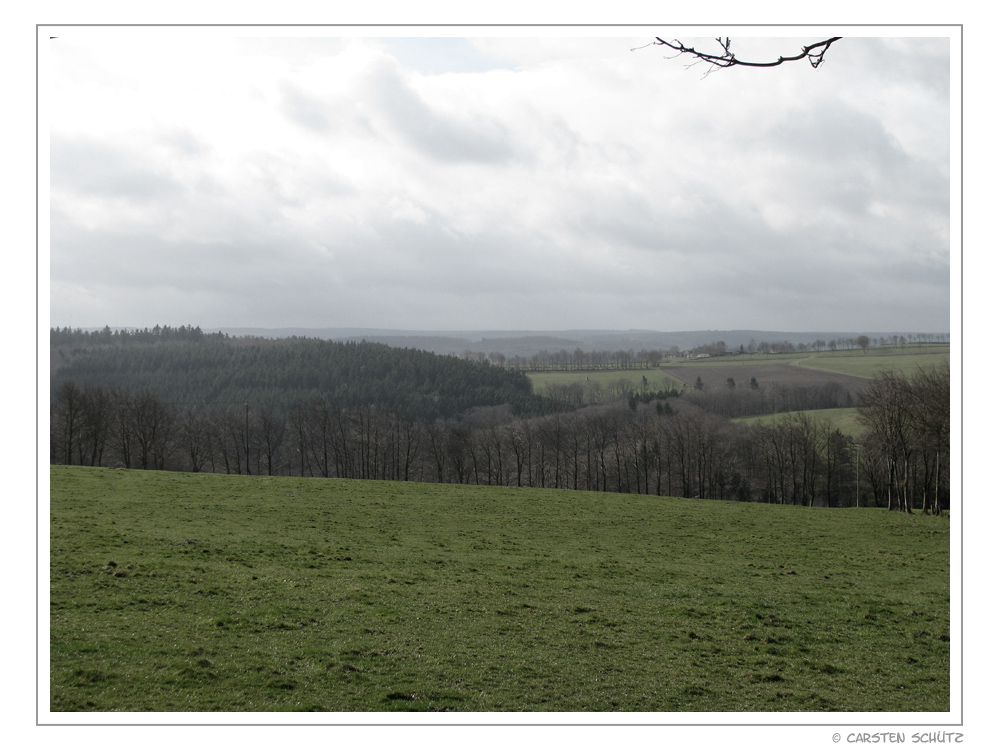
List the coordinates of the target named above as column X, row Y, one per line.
column 190, row 592
column 768, row 373
column 656, row 379
column 850, row 368
column 845, row 420
column 905, row 361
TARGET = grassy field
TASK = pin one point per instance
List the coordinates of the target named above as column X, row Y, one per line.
column 906, row 361
column 788, row 369
column 187, row 592
column 845, row 420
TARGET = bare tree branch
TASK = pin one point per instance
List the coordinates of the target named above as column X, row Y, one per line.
column 727, row 59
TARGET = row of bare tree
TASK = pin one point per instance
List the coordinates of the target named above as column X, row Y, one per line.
column 909, row 438
column 669, row 447
column 95, row 426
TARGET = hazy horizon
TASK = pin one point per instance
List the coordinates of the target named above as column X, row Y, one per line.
column 523, row 331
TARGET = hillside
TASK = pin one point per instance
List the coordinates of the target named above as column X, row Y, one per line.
column 194, row 592
column 201, row 371
column 528, row 343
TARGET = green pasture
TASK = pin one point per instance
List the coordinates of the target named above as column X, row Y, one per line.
column 845, row 420
column 906, row 361
column 847, row 361
column 728, row 360
column 604, row 379
column 195, row 592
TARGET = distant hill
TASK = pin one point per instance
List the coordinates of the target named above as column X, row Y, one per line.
column 528, row 343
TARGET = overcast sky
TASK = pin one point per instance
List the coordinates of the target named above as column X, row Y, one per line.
column 216, row 178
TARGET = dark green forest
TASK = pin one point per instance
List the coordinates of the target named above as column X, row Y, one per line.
column 180, row 399
column 193, row 371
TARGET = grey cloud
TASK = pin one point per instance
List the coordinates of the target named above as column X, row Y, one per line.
column 304, row 110
column 182, row 142
column 299, row 51
column 706, row 229
column 920, row 270
column 841, row 135
column 96, row 168
column 428, row 256
column 323, row 116
column 909, row 62
column 844, row 159
column 479, row 138
column 250, row 268
column 437, row 55
column 620, row 216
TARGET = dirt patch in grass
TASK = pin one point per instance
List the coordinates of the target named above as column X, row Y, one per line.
column 715, row 375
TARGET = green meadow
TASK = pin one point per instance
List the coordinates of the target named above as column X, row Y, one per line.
column 845, row 420
column 905, row 361
column 199, row 592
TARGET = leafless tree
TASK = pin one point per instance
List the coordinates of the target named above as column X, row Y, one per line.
column 67, row 411
column 436, row 443
column 123, row 434
column 271, row 434
column 931, row 412
column 152, row 424
column 196, row 440
column 887, row 411
column 726, row 58
column 97, row 424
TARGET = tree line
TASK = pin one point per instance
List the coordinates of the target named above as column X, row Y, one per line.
column 662, row 444
column 124, row 336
